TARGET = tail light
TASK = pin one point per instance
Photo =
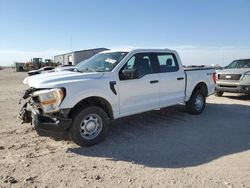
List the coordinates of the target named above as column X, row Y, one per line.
column 214, row 77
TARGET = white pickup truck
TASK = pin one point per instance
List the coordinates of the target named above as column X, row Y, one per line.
column 111, row 85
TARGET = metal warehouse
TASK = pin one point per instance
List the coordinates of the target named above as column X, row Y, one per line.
column 75, row 57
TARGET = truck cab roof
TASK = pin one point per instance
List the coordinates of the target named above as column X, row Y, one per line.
column 138, row 50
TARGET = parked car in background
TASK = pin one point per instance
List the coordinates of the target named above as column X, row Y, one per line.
column 111, row 85
column 217, row 68
column 235, row 78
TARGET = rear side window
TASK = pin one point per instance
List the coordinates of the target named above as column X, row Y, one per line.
column 168, row 63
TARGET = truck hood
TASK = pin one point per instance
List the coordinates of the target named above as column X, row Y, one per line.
column 52, row 79
column 233, row 71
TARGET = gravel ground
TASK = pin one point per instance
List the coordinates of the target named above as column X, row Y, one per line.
column 167, row 148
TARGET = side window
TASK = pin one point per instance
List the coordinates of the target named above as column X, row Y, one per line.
column 139, row 65
column 130, row 63
column 168, row 63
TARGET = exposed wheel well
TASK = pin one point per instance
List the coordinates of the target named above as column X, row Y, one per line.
column 203, row 87
column 93, row 101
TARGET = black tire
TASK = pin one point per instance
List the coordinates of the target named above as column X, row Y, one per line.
column 83, row 120
column 218, row 93
column 194, row 107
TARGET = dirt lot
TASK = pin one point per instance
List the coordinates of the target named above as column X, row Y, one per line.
column 167, row 148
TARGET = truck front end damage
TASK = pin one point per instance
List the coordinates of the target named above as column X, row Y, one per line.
column 41, row 109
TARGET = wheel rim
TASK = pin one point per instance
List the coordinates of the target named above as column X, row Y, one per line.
column 199, row 102
column 90, row 126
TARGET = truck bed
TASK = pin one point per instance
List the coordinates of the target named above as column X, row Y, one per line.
column 196, row 74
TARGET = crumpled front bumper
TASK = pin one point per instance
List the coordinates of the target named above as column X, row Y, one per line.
column 58, row 124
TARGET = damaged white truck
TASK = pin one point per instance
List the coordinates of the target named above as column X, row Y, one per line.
column 111, row 85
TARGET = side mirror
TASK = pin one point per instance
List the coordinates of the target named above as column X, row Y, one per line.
column 130, row 74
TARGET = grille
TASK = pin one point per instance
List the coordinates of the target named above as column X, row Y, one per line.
column 229, row 76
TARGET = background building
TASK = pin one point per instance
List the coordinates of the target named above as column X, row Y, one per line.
column 73, row 58
column 19, row 66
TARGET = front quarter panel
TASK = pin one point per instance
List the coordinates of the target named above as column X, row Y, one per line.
column 76, row 92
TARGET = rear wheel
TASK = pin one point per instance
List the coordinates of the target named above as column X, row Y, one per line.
column 218, row 93
column 196, row 103
column 90, row 126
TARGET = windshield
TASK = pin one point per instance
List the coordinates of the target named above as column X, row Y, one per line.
column 239, row 64
column 102, row 62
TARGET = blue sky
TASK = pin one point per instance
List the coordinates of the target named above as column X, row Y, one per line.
column 200, row 30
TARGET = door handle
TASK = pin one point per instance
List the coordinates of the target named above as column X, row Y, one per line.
column 154, row 81
column 180, row 78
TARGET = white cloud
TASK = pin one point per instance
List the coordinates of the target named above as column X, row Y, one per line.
column 197, row 55
column 212, row 55
column 190, row 54
column 8, row 57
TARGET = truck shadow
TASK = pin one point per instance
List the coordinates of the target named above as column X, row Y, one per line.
column 171, row 138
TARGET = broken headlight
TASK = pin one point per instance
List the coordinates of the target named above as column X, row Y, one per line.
column 50, row 99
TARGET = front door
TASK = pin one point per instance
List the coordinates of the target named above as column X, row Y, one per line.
column 140, row 93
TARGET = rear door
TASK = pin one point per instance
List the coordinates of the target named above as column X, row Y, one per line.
column 172, row 80
column 142, row 93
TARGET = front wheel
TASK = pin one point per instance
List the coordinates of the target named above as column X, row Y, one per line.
column 196, row 103
column 89, row 126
